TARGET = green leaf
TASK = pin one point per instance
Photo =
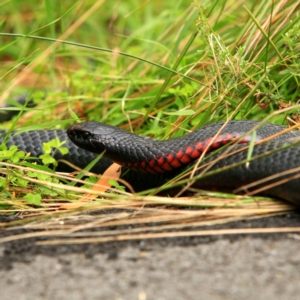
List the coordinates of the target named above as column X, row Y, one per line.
column 63, row 150
column 48, row 159
column 17, row 156
column 116, row 184
column 47, row 148
column 34, row 199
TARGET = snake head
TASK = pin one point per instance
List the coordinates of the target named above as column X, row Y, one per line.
column 91, row 136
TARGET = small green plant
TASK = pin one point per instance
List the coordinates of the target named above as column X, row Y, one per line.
column 12, row 154
column 33, row 198
column 49, row 149
column 20, row 180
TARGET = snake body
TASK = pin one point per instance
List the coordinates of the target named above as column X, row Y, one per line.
column 151, row 163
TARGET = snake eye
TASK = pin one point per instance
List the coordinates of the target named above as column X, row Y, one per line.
column 85, row 135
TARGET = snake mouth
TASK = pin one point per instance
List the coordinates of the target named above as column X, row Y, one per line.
column 82, row 137
column 90, row 136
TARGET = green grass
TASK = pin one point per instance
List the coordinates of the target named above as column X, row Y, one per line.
column 155, row 68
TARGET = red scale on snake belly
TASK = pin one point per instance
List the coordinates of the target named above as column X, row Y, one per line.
column 228, row 138
column 201, row 146
column 220, row 141
column 166, row 166
column 183, row 157
column 193, row 152
column 216, row 144
column 153, row 165
column 158, row 169
column 163, row 163
column 148, row 166
column 173, row 161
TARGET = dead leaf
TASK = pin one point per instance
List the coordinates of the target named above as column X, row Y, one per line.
column 102, row 185
column 283, row 104
column 296, row 118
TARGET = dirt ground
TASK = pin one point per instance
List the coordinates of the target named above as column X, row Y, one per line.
column 264, row 266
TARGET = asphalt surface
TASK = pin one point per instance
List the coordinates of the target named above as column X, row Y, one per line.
column 263, row 266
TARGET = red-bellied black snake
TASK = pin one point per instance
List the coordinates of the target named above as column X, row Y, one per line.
column 273, row 164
